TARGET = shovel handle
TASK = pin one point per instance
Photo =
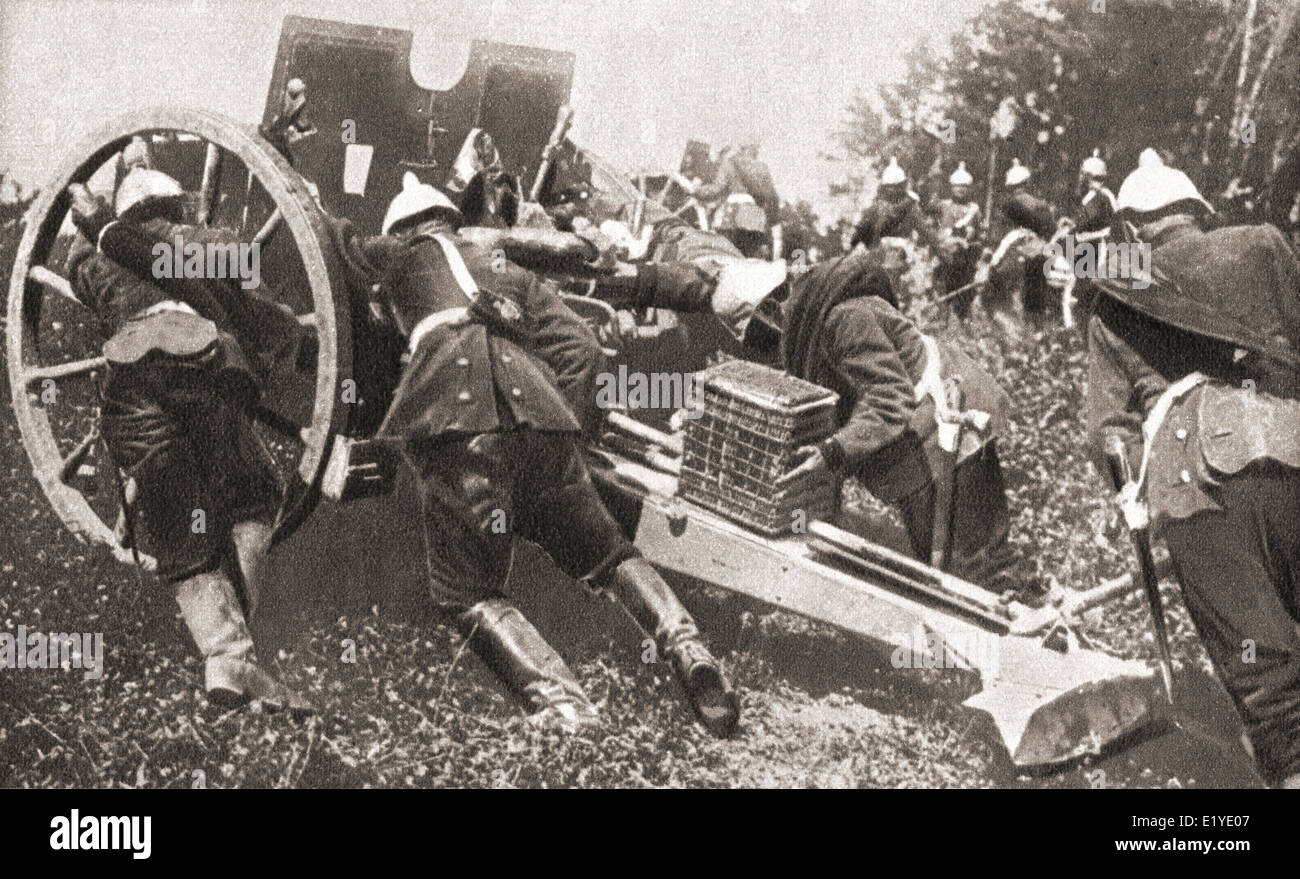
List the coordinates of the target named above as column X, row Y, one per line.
column 1121, row 475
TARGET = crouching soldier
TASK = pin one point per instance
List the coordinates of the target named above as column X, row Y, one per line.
column 917, row 416
column 491, row 441
column 184, row 369
column 1196, row 371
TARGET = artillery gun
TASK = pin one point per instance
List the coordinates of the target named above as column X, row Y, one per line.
column 1051, row 698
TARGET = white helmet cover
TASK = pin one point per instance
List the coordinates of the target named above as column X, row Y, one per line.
column 1017, row 173
column 1155, row 185
column 1094, row 165
column 141, row 185
column 961, row 177
column 893, row 174
column 415, row 198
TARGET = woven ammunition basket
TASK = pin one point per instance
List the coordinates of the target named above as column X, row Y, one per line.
column 753, row 419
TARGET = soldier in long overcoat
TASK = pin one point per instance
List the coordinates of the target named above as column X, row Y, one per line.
column 1196, row 371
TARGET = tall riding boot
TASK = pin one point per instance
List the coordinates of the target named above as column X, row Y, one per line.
column 518, row 654
column 251, row 540
column 640, row 588
column 231, row 673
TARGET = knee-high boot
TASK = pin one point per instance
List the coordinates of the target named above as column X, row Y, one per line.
column 640, row 588
column 250, row 541
column 518, row 654
column 231, row 673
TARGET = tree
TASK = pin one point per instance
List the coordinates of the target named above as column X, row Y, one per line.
column 1211, row 84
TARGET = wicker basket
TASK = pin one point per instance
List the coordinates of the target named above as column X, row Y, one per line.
column 753, row 419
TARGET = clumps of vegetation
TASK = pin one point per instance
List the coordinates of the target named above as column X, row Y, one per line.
column 416, row 710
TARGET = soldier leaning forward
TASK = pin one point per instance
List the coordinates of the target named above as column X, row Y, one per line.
column 839, row 327
column 1205, row 364
column 490, row 438
column 748, row 204
column 187, row 359
column 1023, row 255
column 1090, row 227
column 896, row 214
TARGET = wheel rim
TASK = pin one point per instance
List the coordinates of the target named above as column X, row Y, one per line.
column 27, row 291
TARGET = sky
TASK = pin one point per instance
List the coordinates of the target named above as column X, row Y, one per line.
column 649, row 74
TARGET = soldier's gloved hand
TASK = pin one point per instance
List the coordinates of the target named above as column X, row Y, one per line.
column 90, row 212
column 812, row 466
column 606, row 251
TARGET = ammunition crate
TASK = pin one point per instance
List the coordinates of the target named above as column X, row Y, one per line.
column 753, row 419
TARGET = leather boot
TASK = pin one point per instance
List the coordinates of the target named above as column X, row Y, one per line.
column 251, row 540
column 519, row 655
column 231, row 673
column 640, row 588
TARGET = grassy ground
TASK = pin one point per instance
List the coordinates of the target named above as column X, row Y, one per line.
column 415, row 709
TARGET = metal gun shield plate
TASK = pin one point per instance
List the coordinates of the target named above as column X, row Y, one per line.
column 360, row 93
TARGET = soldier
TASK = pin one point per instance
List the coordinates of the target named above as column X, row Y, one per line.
column 897, row 207
column 748, row 208
column 1198, row 375
column 959, row 217
column 1096, row 202
column 895, row 214
column 901, row 395
column 492, row 444
column 1022, row 257
column 1089, row 228
column 186, row 363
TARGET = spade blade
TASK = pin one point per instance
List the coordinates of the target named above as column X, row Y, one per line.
column 1051, row 706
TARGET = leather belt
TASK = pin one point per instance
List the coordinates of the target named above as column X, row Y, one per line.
column 446, row 317
column 165, row 305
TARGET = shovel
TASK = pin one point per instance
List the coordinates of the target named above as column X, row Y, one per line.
column 1051, row 696
column 1051, row 706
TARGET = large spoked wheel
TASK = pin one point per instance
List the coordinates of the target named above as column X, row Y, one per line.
column 54, row 368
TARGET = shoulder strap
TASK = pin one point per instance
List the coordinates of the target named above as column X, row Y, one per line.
column 455, row 262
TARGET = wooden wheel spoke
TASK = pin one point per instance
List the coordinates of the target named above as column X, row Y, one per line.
column 308, row 319
column 73, row 464
column 209, row 188
column 63, row 370
column 271, row 224
column 53, row 281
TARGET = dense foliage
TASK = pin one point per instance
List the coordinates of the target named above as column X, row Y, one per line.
column 1212, row 83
